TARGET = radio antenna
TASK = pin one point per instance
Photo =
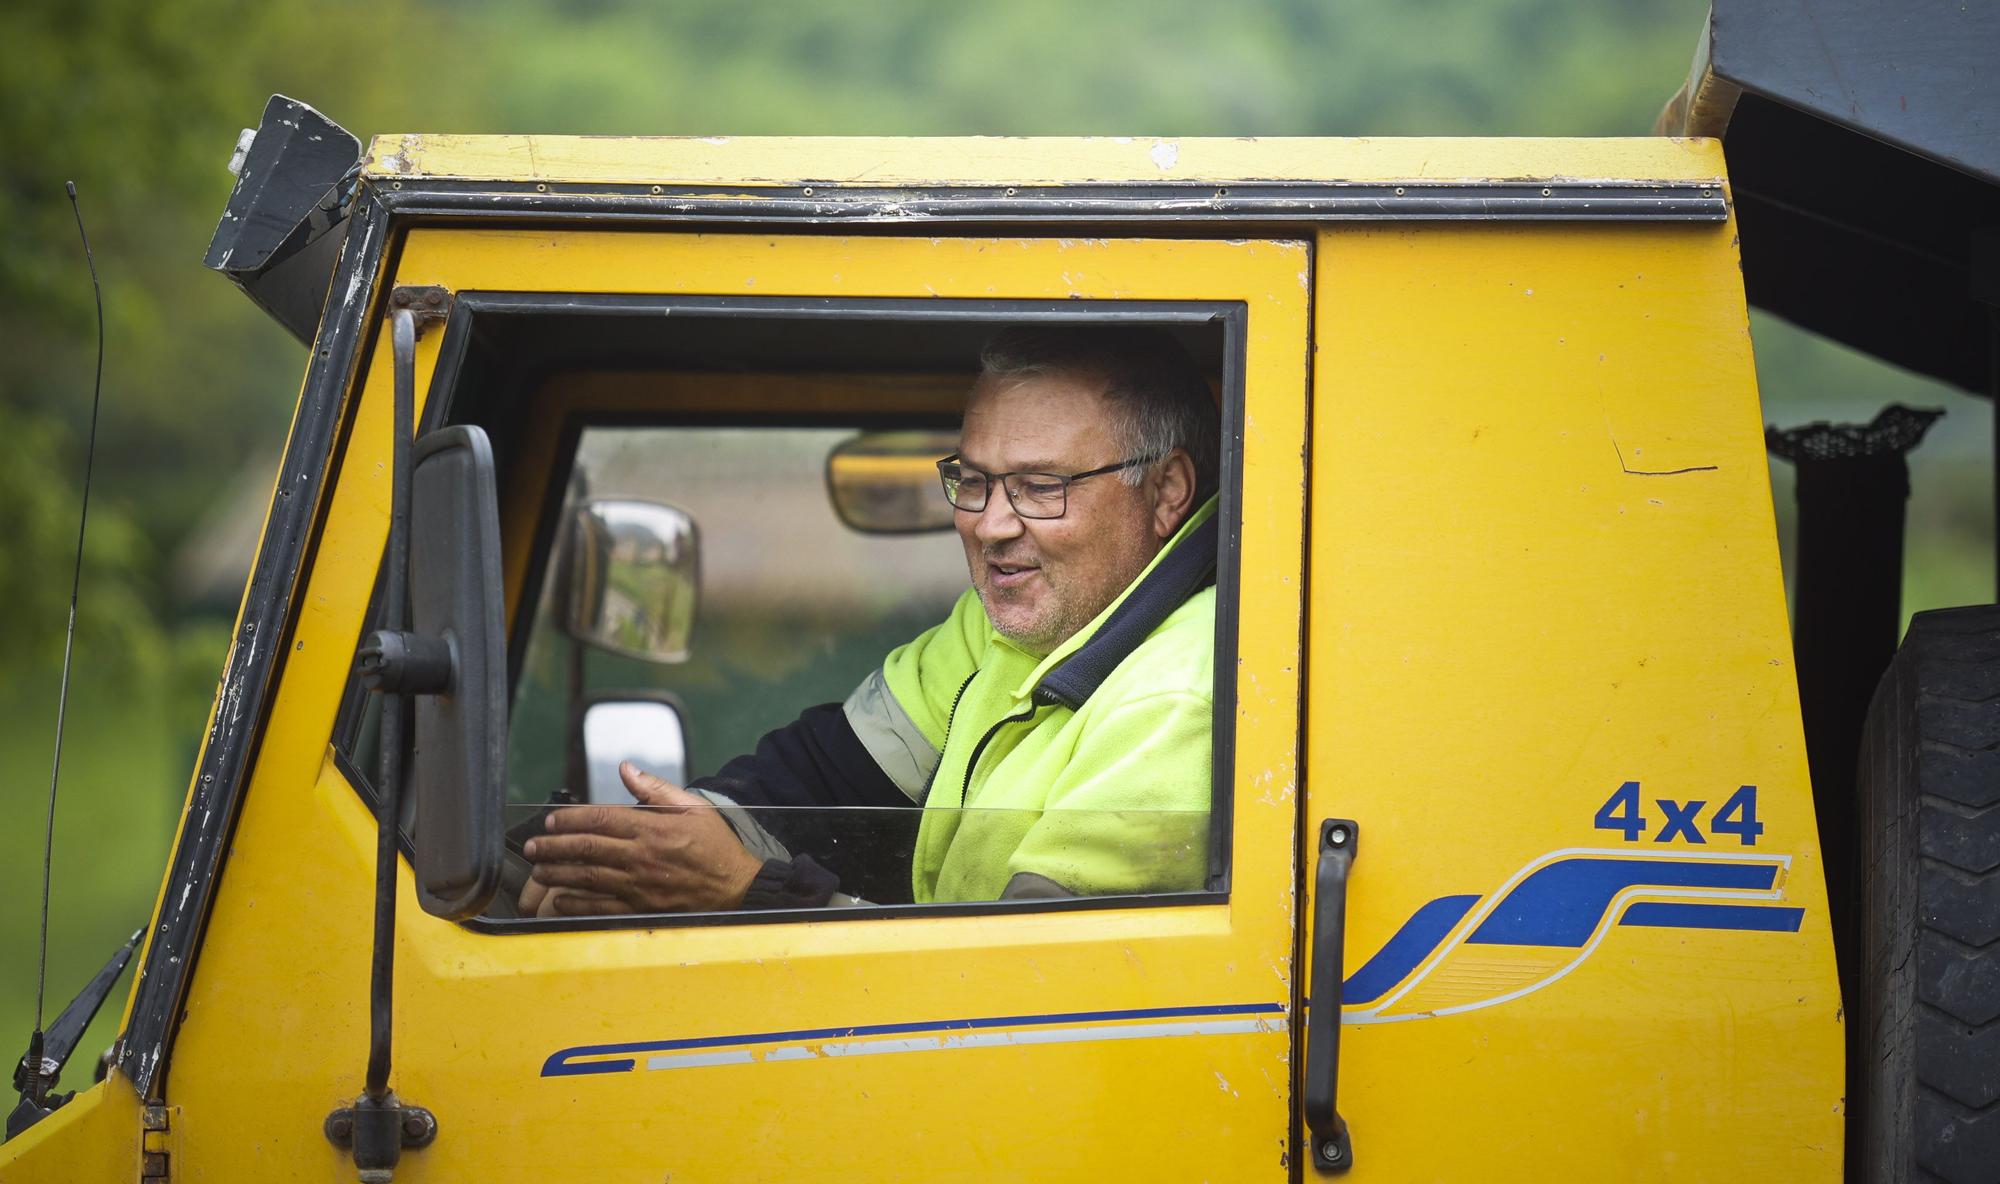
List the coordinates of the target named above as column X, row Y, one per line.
column 39, row 1078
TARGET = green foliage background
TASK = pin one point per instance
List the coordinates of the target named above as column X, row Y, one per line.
column 140, row 103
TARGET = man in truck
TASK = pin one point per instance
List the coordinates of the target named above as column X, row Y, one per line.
column 1055, row 727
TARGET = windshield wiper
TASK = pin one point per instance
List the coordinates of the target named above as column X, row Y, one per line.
column 37, row 1089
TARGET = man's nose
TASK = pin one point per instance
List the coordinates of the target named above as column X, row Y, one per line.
column 997, row 522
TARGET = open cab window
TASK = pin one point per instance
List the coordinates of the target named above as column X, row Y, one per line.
column 720, row 514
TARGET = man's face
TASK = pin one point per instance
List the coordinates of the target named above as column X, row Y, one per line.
column 1041, row 580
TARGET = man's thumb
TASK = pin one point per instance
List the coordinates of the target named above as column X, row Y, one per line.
column 651, row 790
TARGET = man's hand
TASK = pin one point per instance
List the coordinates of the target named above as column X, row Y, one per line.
column 674, row 855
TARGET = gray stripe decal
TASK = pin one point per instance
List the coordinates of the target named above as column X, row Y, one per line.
column 891, row 736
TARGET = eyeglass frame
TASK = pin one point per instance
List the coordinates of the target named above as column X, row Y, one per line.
column 1001, row 480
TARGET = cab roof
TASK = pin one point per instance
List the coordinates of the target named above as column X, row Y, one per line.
column 756, row 161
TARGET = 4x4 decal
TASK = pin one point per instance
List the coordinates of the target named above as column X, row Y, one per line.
column 1460, row 953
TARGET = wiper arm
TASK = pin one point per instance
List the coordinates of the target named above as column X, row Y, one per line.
column 36, row 1082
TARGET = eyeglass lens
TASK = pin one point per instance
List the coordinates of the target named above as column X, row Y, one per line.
column 1033, row 495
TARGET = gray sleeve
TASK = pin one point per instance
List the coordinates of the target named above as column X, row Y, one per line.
column 755, row 839
column 891, row 736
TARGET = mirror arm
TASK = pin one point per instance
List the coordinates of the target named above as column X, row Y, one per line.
column 388, row 788
column 376, row 1127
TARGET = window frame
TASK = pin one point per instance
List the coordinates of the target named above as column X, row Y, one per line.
column 444, row 407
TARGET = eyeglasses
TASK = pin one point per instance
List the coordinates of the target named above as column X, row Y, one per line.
column 1033, row 495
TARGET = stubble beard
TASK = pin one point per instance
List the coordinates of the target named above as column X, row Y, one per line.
column 1042, row 616
column 1037, row 620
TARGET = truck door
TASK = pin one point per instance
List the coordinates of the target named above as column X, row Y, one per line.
column 1551, row 683
column 1147, row 1033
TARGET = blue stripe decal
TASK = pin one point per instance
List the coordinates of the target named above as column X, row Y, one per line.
column 1411, row 945
column 1562, row 904
column 1763, row 919
column 561, row 1064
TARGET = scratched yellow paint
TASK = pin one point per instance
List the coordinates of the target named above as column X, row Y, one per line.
column 1543, row 565
column 284, row 966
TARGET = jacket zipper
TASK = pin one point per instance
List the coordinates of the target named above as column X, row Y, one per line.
column 971, row 764
column 949, row 719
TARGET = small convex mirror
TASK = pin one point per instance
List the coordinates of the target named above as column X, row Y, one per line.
column 887, row 482
column 647, row 732
column 634, row 576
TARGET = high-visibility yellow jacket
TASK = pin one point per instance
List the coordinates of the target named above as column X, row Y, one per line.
column 1109, row 795
column 1085, row 772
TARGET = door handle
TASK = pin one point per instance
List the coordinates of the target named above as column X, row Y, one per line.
column 1331, row 1150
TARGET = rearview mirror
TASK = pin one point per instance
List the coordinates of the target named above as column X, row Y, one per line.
column 646, row 731
column 633, row 579
column 887, row 482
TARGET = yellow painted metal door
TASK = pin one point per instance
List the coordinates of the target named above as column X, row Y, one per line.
column 1551, row 681
column 1085, row 1042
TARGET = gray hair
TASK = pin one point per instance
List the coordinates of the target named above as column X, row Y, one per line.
column 1157, row 394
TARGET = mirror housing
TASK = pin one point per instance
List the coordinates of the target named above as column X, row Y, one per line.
column 633, row 578
column 458, row 766
column 647, row 729
column 887, row 482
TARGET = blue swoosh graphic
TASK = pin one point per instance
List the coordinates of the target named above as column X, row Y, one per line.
column 1402, row 952
column 1561, row 904
column 1761, row 918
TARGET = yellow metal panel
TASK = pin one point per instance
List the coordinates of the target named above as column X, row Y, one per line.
column 777, row 160
column 1544, row 565
column 93, row 1140
column 276, row 1020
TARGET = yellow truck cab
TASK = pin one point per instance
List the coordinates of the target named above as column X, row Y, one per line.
column 1510, row 868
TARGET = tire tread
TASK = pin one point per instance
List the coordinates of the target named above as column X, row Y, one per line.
column 1930, row 806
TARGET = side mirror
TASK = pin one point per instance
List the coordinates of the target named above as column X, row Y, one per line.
column 459, row 767
column 887, row 482
column 633, row 578
column 452, row 662
column 647, row 731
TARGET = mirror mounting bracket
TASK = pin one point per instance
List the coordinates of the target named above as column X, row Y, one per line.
column 377, row 1132
column 405, row 661
column 428, row 304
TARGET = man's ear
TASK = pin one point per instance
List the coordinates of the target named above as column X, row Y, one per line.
column 1173, row 493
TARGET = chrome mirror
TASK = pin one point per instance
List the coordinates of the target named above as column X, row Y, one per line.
column 647, row 732
column 633, row 579
column 887, row 482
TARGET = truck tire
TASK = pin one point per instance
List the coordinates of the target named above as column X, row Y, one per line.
column 1929, row 1007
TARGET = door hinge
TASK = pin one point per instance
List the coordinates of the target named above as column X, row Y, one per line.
column 155, row 1159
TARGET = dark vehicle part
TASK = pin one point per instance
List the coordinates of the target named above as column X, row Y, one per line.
column 458, row 766
column 1924, row 1043
column 294, row 177
column 1809, row 96
column 61, row 1040
column 1853, row 481
column 1330, row 1147
column 378, row 1132
column 377, row 1148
